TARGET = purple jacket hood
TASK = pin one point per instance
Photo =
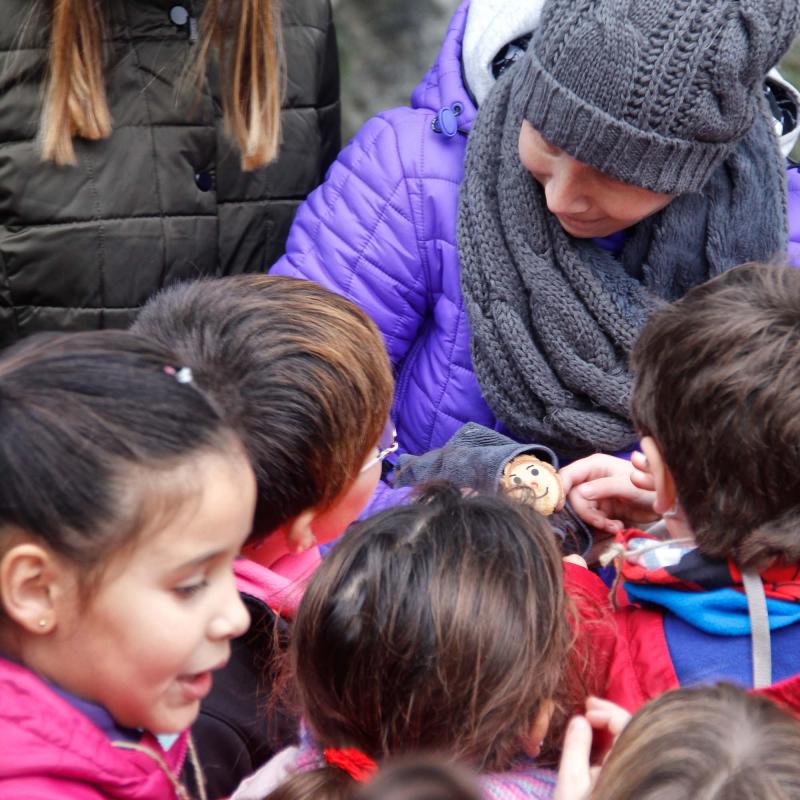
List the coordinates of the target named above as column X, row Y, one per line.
column 443, row 84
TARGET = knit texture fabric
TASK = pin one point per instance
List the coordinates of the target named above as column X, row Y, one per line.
column 553, row 318
column 525, row 781
column 653, row 92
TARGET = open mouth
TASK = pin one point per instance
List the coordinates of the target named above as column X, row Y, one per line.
column 196, row 686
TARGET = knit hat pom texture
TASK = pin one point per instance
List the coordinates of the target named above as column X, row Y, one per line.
column 655, row 93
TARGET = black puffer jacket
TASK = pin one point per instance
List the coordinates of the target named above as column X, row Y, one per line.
column 242, row 722
column 163, row 199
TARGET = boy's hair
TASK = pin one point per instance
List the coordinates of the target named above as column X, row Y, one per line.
column 300, row 373
column 84, row 419
column 714, row 743
column 718, row 388
column 439, row 626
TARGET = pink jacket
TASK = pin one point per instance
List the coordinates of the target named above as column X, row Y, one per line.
column 50, row 751
column 281, row 585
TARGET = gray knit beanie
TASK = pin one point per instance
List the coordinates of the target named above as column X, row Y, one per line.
column 655, row 93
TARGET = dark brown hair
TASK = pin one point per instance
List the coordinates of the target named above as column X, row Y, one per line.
column 437, row 626
column 707, row 743
column 300, row 372
column 717, row 387
column 82, row 416
column 245, row 36
column 421, row 778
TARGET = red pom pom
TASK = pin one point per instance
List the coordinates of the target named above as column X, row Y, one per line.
column 359, row 766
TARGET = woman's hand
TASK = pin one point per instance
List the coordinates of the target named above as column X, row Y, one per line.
column 610, row 493
column 576, row 775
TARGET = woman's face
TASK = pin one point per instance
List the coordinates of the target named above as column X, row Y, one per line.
column 585, row 201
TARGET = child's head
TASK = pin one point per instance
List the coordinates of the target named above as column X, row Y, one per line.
column 123, row 501
column 593, row 65
column 717, row 391
column 714, row 743
column 418, row 777
column 421, row 778
column 437, row 626
column 302, row 374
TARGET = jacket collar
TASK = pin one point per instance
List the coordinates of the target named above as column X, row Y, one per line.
column 44, row 738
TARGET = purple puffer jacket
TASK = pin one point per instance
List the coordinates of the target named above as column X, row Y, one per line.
column 381, row 230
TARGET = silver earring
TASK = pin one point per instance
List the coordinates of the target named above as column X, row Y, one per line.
column 42, row 623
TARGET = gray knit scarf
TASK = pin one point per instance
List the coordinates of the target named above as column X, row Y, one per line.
column 553, row 318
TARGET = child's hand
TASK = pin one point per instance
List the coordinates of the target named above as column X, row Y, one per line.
column 605, row 715
column 641, row 475
column 576, row 775
column 610, row 493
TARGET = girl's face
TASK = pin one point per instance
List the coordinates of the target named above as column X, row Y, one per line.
column 585, row 201
column 164, row 614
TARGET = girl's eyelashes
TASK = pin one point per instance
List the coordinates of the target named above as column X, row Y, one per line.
column 188, row 590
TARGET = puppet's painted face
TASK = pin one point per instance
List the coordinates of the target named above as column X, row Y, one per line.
column 534, row 482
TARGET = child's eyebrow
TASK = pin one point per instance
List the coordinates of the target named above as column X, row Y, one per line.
column 200, row 560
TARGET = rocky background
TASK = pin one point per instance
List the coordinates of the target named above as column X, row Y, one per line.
column 386, row 46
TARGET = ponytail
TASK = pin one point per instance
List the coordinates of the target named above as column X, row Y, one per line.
column 250, row 56
column 75, row 101
column 251, row 68
column 344, row 772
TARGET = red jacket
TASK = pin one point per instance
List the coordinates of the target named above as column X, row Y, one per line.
column 601, row 643
column 634, row 655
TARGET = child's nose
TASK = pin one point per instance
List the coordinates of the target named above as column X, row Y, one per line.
column 233, row 619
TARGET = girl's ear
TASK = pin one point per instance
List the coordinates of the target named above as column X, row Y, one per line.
column 533, row 745
column 31, row 581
